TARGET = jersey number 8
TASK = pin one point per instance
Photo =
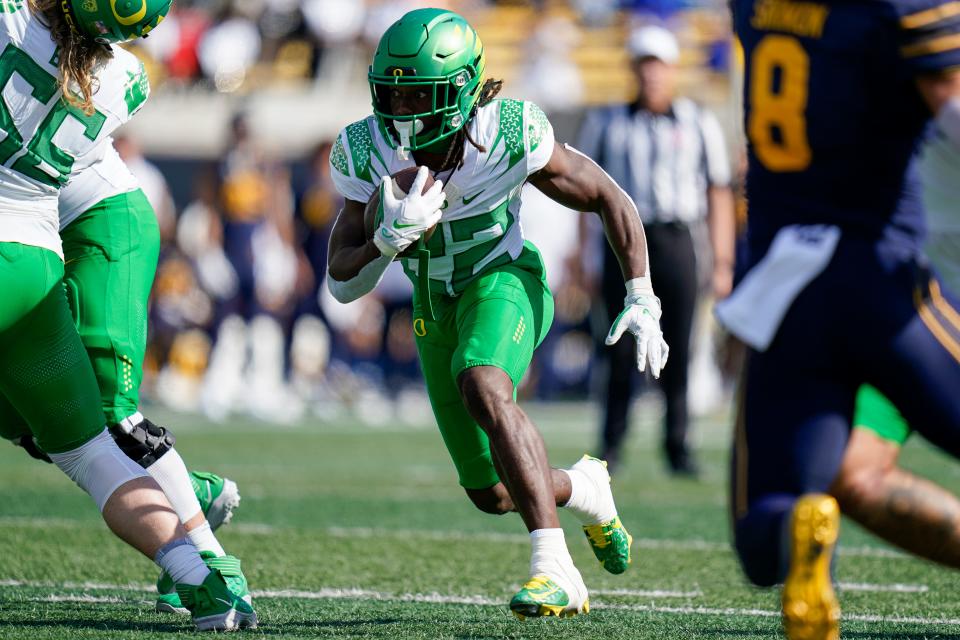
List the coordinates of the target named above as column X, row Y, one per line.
column 781, row 110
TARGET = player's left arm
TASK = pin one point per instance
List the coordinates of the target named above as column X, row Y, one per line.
column 575, row 181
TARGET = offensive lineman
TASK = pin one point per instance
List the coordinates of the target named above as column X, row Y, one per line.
column 74, row 90
column 481, row 305
column 111, row 242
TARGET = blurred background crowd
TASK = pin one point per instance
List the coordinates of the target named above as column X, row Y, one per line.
column 240, row 320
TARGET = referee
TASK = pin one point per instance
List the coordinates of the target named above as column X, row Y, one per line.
column 670, row 156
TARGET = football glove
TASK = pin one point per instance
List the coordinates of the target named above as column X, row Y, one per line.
column 641, row 317
column 406, row 219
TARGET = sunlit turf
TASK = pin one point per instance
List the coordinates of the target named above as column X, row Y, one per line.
column 350, row 531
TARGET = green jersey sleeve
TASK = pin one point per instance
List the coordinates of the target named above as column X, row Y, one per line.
column 356, row 162
column 538, row 138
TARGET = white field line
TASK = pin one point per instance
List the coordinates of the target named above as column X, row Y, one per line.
column 144, row 586
column 646, row 593
column 519, row 538
column 882, row 588
column 478, row 600
column 80, row 598
column 261, row 528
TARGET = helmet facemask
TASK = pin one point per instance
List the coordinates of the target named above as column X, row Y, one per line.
column 452, row 99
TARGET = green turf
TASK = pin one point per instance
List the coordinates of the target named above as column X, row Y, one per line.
column 332, row 508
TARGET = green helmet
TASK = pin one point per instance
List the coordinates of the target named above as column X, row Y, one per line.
column 435, row 49
column 108, row 21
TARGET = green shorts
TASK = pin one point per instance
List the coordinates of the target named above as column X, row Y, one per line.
column 111, row 255
column 877, row 414
column 46, row 381
column 499, row 319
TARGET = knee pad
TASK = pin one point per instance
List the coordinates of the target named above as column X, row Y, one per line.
column 143, row 442
column 98, row 467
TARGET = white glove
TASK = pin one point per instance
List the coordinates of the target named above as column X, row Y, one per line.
column 641, row 317
column 406, row 219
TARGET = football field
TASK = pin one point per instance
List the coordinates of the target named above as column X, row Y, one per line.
column 348, row 530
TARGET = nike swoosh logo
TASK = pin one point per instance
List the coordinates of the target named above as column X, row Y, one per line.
column 541, row 596
column 226, row 602
column 467, row 200
column 397, row 225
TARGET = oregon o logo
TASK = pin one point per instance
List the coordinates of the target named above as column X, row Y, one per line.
column 134, row 18
column 398, row 72
column 419, row 327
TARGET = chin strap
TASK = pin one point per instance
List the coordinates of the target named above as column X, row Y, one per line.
column 406, row 129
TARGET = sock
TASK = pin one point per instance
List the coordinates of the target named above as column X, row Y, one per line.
column 588, row 502
column 203, row 537
column 182, row 561
column 551, row 558
column 171, row 474
column 549, row 548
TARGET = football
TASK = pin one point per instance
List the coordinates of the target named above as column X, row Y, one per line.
column 402, row 181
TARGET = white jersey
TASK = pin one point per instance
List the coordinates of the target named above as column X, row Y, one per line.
column 107, row 177
column 43, row 139
column 480, row 225
column 940, row 170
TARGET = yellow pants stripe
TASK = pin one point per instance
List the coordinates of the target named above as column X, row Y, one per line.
column 929, row 318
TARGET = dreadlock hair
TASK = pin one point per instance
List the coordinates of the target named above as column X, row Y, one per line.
column 488, row 92
column 79, row 54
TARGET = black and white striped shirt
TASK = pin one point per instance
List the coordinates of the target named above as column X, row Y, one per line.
column 665, row 162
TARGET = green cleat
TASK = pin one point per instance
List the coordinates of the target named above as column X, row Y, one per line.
column 609, row 539
column 168, row 601
column 218, row 497
column 541, row 597
column 611, row 544
column 229, row 567
column 214, row 607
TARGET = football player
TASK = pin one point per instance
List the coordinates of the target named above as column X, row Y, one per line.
column 111, row 241
column 837, row 96
column 870, row 482
column 481, row 302
column 73, row 90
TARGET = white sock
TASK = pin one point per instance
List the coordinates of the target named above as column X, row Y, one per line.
column 203, row 537
column 182, row 561
column 549, row 546
column 171, row 474
column 590, row 499
column 551, row 558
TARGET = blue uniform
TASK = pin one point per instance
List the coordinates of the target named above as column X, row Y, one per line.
column 834, row 119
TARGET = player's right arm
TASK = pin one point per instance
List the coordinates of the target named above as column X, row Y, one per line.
column 357, row 263
column 350, row 250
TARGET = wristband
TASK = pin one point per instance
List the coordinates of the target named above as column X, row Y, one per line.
column 638, row 287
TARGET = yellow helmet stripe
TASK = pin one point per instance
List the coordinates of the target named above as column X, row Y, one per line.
column 133, row 19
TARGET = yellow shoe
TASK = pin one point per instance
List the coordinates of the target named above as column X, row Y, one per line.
column 542, row 597
column 810, row 607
